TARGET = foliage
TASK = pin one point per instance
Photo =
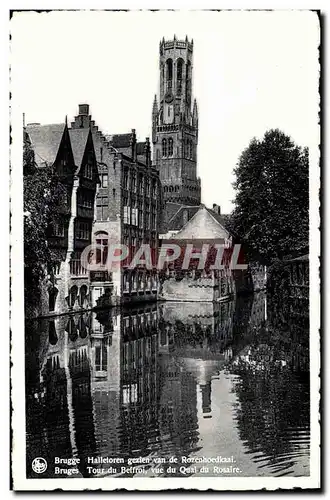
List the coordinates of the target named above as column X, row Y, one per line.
column 42, row 197
column 272, row 197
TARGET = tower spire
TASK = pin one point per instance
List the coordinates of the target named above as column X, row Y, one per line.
column 154, row 119
column 155, row 107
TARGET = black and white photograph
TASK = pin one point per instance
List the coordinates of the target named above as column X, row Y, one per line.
column 165, row 214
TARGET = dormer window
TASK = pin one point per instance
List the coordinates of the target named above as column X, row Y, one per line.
column 89, row 171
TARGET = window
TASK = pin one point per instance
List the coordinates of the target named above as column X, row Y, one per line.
column 148, row 187
column 52, row 335
column 82, row 295
column 134, row 216
column 73, row 295
column 85, row 199
column 147, row 216
column 126, row 179
column 89, row 170
column 153, row 220
column 126, row 282
column 101, row 155
column 179, row 75
column 102, row 248
column 190, row 149
column 154, row 190
column 104, row 180
column 83, row 232
column 140, row 185
column 102, row 208
column 58, row 229
column 127, row 215
column 133, row 182
column 52, row 295
column 140, row 214
column 170, row 147
column 157, row 156
column 114, row 193
column 169, row 73
column 101, row 359
column 188, row 78
column 81, row 323
column 134, row 281
column 164, row 148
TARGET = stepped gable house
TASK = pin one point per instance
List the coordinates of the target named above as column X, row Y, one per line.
column 206, row 285
column 73, row 156
column 128, row 211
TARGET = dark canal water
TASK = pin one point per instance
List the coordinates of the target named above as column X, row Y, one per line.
column 171, row 380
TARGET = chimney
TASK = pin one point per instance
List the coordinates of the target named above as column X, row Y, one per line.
column 83, row 109
column 133, row 145
column 148, row 152
column 216, row 208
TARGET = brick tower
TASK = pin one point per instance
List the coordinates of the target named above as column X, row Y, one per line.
column 175, row 124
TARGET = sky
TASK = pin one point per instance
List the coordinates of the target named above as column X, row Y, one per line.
column 252, row 71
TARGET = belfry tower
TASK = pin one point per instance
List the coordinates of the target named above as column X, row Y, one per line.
column 175, row 124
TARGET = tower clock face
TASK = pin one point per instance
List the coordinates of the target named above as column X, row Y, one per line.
column 169, row 97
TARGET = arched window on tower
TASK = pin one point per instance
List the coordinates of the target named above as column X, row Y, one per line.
column 170, row 147
column 188, row 81
column 186, row 148
column 169, row 73
column 179, row 73
column 164, row 148
column 162, row 80
column 190, row 149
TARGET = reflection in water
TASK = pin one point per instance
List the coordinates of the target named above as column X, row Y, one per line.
column 185, row 379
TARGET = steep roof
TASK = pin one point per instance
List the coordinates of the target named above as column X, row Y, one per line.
column 177, row 221
column 171, row 208
column 78, row 138
column 204, row 224
column 120, row 140
column 45, row 141
column 140, row 148
column 220, row 218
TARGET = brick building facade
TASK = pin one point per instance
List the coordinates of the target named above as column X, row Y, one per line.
column 128, row 212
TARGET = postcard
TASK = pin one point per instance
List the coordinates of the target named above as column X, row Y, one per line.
column 165, row 290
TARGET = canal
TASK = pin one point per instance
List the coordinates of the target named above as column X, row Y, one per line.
column 181, row 388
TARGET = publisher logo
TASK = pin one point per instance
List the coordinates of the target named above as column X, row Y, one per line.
column 39, row 465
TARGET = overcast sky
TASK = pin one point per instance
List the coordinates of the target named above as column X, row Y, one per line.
column 252, row 71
